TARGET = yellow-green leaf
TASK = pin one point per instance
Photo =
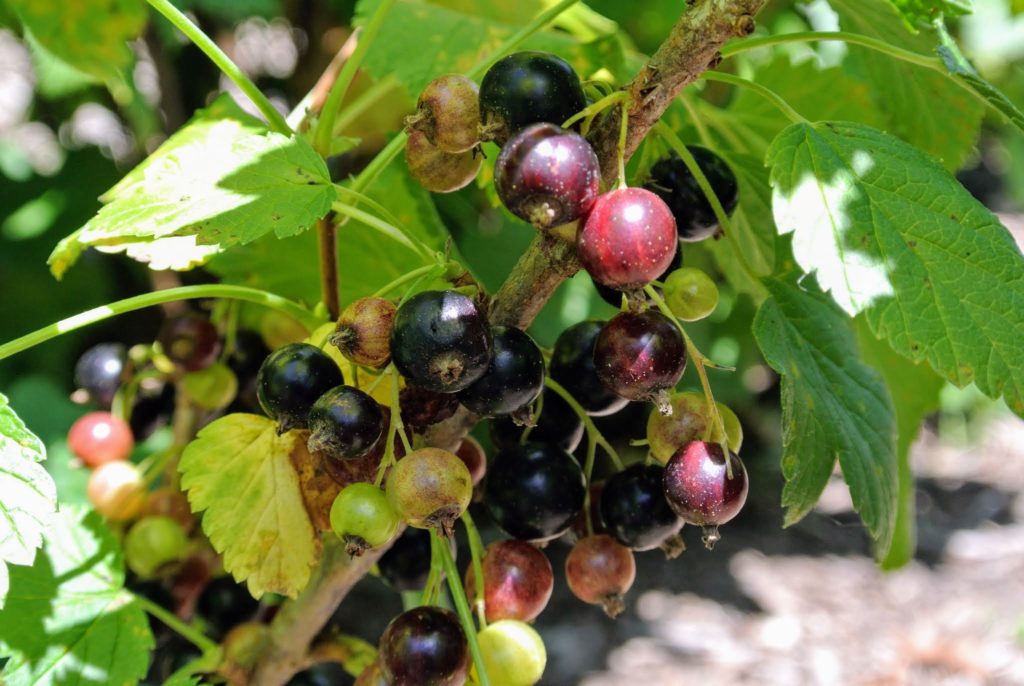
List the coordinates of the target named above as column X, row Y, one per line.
column 239, row 474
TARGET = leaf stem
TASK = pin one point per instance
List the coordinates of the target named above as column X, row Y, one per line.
column 461, row 606
column 620, row 149
column 737, row 47
column 329, row 112
column 138, row 302
column 406, row 278
column 588, row 423
column 766, row 93
column 189, row 633
column 224, row 63
column 327, row 241
column 386, row 228
column 476, row 553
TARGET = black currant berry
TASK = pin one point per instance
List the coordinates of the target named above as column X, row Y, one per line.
column 406, row 564
column 245, row 360
column 673, row 182
column 344, row 423
column 439, row 171
column 363, row 333
column 634, row 509
column 514, row 377
column 526, row 88
column 100, row 371
column 556, row 424
column 448, row 113
column 614, row 297
column 640, row 356
column 190, row 341
column 224, row 603
column 291, row 379
column 424, row 646
column 547, row 176
column 534, row 491
column 572, row 365
column 703, row 489
column 441, row 341
column 628, row 239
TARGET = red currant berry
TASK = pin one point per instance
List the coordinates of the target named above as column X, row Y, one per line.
column 614, row 297
column 514, row 377
column 700, row 488
column 518, row 581
column 363, row 334
column 345, row 423
column 100, row 371
column 439, row 171
column 547, row 176
column 639, row 356
column 190, row 341
column 117, row 491
column 448, row 113
column 534, row 491
column 441, row 341
column 424, row 646
column 430, row 488
column 526, row 88
column 291, row 379
column 100, row 437
column 634, row 509
column 628, row 239
column 672, row 181
column 600, row 571
column 572, row 365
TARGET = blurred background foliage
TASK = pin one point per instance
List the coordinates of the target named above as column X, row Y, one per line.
column 67, row 134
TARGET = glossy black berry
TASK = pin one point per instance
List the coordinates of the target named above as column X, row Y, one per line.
column 345, row 423
column 514, row 377
column 225, row 604
column 572, row 365
column 100, row 371
column 190, row 341
column 526, row 88
column 291, row 379
column 321, row 674
column 640, row 355
column 534, row 491
column 406, row 564
column 634, row 509
column 556, row 424
column 547, row 176
column 245, row 360
column 441, row 341
column 673, row 182
column 424, row 646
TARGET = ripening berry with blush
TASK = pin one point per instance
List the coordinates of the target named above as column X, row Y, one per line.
column 100, row 437
column 640, row 355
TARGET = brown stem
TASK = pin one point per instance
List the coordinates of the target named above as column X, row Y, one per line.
column 326, row 232
column 690, row 49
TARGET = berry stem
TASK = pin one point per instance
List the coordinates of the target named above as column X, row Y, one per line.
column 324, row 133
column 461, row 605
column 513, row 41
column 699, row 361
column 430, row 588
column 223, row 62
column 138, row 302
column 388, row 229
column 588, row 469
column 593, row 434
column 396, row 413
column 588, row 113
column 425, row 270
column 620, row 149
column 766, row 93
column 476, row 552
column 186, row 631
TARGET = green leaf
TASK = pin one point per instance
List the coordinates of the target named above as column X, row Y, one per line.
column 890, row 233
column 833, row 406
column 924, row 11
column 68, row 620
column 915, row 394
column 239, row 473
column 29, row 494
column 223, row 179
column 962, row 70
column 90, row 35
column 922, row 107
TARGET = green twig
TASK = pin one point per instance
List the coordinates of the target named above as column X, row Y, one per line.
column 224, row 63
column 329, row 112
column 476, row 552
column 737, row 47
column 138, row 302
column 191, row 634
column 461, row 606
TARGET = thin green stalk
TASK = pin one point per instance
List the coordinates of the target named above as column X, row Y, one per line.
column 737, row 47
column 461, row 606
column 329, row 112
column 591, row 111
column 588, row 470
column 364, row 101
column 698, row 123
column 406, row 278
column 396, row 414
column 138, row 302
column 588, row 423
column 224, row 63
column 513, row 41
column 189, row 633
column 766, row 93
column 434, row 577
column 476, row 553
column 386, row 228
column 620, row 147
